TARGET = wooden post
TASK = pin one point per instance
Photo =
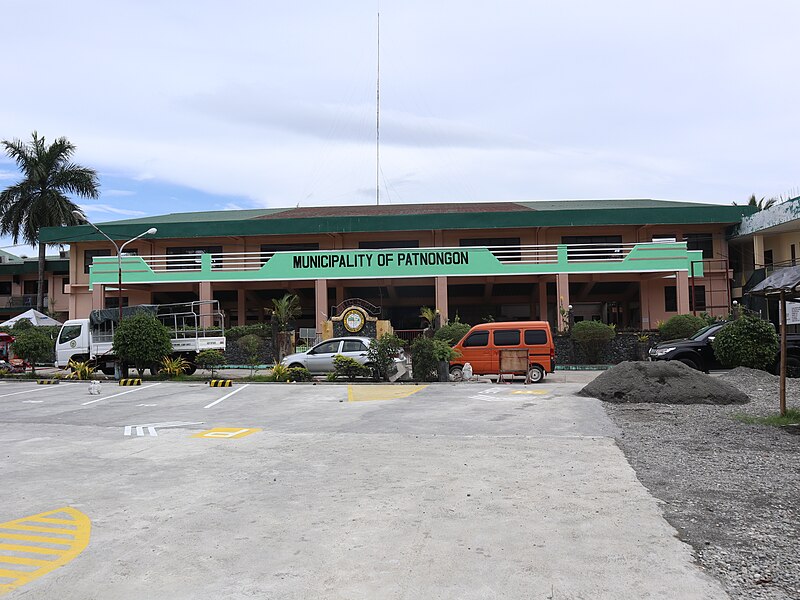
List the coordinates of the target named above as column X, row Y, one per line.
column 783, row 354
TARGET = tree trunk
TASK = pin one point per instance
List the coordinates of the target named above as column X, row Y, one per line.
column 40, row 289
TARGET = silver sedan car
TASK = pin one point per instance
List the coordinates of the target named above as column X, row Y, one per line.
column 319, row 359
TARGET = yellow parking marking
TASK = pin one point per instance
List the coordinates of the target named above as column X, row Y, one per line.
column 74, row 544
column 365, row 393
column 536, row 392
column 226, row 433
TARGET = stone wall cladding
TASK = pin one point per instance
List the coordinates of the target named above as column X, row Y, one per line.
column 625, row 346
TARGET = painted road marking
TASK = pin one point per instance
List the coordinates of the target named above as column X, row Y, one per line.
column 138, row 389
column 30, row 391
column 146, row 405
column 231, row 433
column 236, row 391
column 365, row 393
column 32, row 401
column 151, row 427
column 71, row 531
column 536, row 392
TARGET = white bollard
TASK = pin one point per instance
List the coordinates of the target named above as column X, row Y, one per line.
column 94, row 388
column 466, row 372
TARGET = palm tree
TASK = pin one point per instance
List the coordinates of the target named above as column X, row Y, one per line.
column 762, row 204
column 40, row 199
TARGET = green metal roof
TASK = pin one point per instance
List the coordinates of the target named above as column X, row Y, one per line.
column 31, row 265
column 409, row 217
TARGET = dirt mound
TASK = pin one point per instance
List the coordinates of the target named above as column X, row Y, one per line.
column 661, row 382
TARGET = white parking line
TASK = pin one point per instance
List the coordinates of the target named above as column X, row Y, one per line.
column 236, row 391
column 38, row 388
column 136, row 389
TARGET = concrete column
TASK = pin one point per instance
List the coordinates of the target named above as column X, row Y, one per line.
column 758, row 251
column 206, row 318
column 321, row 307
column 644, row 303
column 98, row 297
column 339, row 294
column 562, row 300
column 438, row 238
column 682, row 286
column 441, row 298
column 542, row 299
column 241, row 307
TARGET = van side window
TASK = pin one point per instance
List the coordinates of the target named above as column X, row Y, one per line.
column 506, row 337
column 479, row 338
column 534, row 337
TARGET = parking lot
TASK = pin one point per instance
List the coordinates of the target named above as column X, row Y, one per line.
column 327, row 491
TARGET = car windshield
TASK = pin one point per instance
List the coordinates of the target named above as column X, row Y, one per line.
column 707, row 330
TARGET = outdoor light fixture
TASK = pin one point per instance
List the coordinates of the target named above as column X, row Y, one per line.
column 152, row 231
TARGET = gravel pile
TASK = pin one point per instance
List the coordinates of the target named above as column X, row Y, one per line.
column 661, row 382
column 731, row 489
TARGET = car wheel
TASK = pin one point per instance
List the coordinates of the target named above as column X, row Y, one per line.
column 295, row 366
column 536, row 374
column 457, row 372
column 689, row 363
column 190, row 370
column 792, row 366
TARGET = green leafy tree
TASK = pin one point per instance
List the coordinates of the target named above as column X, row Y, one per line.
column 424, row 363
column 32, row 346
column 382, row 352
column 592, row 337
column 749, row 341
column 141, row 340
column 762, row 204
column 681, row 326
column 249, row 345
column 285, row 310
column 210, row 360
column 41, row 199
column 452, row 332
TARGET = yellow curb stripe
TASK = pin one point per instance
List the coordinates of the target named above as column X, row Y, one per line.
column 73, row 547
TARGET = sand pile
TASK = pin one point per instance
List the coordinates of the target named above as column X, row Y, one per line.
column 662, row 382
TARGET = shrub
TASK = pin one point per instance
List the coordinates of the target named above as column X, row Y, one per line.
column 298, row 374
column 381, row 353
column 173, row 367
column 210, row 360
column 141, row 340
column 681, row 326
column 591, row 337
column 747, row 342
column 279, row 373
column 452, row 332
column 424, row 364
column 81, row 370
column 32, row 345
column 346, row 366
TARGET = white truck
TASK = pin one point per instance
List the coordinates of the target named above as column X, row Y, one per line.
column 193, row 326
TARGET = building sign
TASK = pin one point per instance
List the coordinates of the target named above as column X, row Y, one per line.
column 361, row 260
column 792, row 313
column 353, row 320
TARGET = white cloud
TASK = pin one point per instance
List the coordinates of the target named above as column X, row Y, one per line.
column 106, row 208
column 117, row 193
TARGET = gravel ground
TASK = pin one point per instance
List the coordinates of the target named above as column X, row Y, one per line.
column 732, row 490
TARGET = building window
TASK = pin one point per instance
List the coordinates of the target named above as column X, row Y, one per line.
column 700, row 241
column 5, row 288
column 670, row 298
column 768, row 260
column 31, row 287
column 179, row 262
column 502, row 255
column 64, row 284
column 88, row 256
column 697, row 297
column 388, row 244
column 113, row 301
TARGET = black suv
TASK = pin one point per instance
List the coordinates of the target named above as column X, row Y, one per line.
column 695, row 351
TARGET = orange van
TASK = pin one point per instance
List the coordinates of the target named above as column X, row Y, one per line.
column 482, row 345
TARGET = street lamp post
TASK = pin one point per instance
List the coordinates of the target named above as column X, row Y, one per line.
column 81, row 217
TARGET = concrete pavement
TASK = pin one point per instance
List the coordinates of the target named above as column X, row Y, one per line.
column 452, row 491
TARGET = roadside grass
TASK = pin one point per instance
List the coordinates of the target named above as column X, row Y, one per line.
column 792, row 417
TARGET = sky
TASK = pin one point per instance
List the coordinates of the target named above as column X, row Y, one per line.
column 199, row 105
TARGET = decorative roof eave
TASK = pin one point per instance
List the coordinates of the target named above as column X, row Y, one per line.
column 775, row 216
column 662, row 215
